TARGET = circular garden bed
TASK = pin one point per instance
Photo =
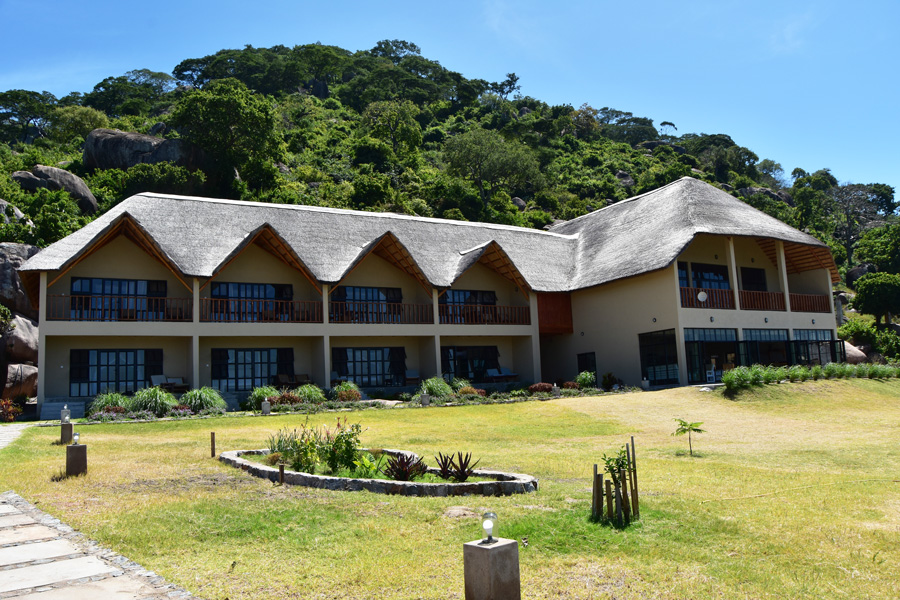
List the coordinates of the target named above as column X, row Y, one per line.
column 501, row 484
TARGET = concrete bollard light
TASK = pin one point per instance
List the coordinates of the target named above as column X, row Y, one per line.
column 65, row 433
column 266, row 407
column 425, row 399
column 491, row 565
column 76, row 458
column 65, row 415
column 555, row 391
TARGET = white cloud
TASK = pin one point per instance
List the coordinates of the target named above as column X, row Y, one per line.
column 791, row 34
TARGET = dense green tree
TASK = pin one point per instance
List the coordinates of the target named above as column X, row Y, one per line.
column 395, row 50
column 24, row 110
column 396, row 123
column 489, row 161
column 881, row 247
column 70, row 122
column 878, row 294
column 857, row 208
column 134, row 93
column 236, row 127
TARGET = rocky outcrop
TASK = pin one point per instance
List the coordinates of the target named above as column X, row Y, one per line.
column 519, row 203
column 10, row 213
column 21, row 380
column 55, row 179
column 624, row 179
column 114, row 149
column 778, row 196
column 20, row 343
column 858, row 271
column 651, row 144
column 12, row 294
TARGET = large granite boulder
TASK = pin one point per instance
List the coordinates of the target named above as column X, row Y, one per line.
column 855, row 356
column 114, row 149
column 55, row 179
column 752, row 191
column 858, row 271
column 12, row 294
column 624, row 179
column 10, row 213
column 20, row 380
column 21, row 342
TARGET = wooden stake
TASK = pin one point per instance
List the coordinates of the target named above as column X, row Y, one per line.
column 281, row 473
column 626, row 507
column 634, row 482
column 212, row 443
column 594, row 494
column 609, row 500
column 619, row 502
column 600, row 495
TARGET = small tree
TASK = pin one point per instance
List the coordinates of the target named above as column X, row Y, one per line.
column 878, row 294
column 684, row 427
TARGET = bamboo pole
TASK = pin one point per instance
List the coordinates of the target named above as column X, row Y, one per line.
column 634, row 482
column 609, row 500
column 626, row 507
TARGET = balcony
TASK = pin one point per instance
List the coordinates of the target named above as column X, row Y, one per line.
column 118, row 308
column 761, row 300
column 223, row 310
column 483, row 314
column 380, row 313
column 810, row 303
column 714, row 298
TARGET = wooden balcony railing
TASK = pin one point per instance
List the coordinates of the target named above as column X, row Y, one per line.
column 810, row 303
column 761, row 300
column 714, row 298
column 484, row 314
column 380, row 312
column 222, row 310
column 117, row 308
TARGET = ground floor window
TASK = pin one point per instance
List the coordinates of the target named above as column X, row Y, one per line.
column 659, row 357
column 765, row 347
column 816, row 347
column 469, row 362
column 242, row 369
column 587, row 361
column 370, row 367
column 93, row 372
column 710, row 351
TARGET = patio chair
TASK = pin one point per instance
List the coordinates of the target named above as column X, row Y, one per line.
column 412, row 377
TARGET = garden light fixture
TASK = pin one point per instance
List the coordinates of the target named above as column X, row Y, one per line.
column 701, row 296
column 489, row 521
column 75, row 438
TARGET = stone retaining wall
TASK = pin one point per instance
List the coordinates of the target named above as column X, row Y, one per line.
column 504, row 484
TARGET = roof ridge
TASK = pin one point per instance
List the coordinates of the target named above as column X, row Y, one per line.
column 348, row 211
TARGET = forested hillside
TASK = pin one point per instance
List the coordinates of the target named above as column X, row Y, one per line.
column 387, row 129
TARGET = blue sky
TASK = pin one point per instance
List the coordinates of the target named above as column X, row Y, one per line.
column 807, row 84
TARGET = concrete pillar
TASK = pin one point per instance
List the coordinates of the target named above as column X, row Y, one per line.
column 65, row 433
column 782, row 273
column 435, row 305
column 732, row 274
column 492, row 570
column 326, row 359
column 195, row 302
column 326, row 291
column 42, row 343
column 679, row 332
column 437, row 356
column 535, row 338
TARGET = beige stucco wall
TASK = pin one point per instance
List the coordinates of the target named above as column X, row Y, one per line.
column 255, row 265
column 481, row 278
column 305, row 353
column 607, row 320
column 709, row 249
column 374, row 271
column 810, row 282
column 120, row 259
column 747, row 253
column 176, row 356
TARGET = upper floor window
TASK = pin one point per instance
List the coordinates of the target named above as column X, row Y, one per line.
column 753, row 280
column 96, row 286
column 710, row 277
column 484, row 298
column 252, row 291
column 355, row 293
column 684, row 276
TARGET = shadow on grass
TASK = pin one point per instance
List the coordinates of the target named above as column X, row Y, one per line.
column 61, row 475
column 688, row 454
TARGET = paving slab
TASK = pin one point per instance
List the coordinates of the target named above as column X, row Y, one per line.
column 29, row 533
column 6, row 509
column 15, row 519
column 119, row 588
column 47, row 574
column 14, row 555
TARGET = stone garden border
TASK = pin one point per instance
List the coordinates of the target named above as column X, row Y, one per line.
column 505, row 484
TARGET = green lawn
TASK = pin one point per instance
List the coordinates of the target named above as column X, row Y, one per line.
column 792, row 493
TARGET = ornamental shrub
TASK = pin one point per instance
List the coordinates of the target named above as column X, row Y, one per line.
column 310, row 394
column 457, row 383
column 586, row 379
column 346, row 391
column 435, row 387
column 540, row 388
column 254, row 400
column 203, row 399
column 154, row 400
column 109, row 399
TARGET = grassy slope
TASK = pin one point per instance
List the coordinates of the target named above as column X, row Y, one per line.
column 830, row 448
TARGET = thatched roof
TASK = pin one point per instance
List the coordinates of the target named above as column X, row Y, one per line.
column 196, row 237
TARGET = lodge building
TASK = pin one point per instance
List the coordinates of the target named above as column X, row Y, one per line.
column 673, row 287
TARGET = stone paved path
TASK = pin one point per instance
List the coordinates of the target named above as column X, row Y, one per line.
column 44, row 559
